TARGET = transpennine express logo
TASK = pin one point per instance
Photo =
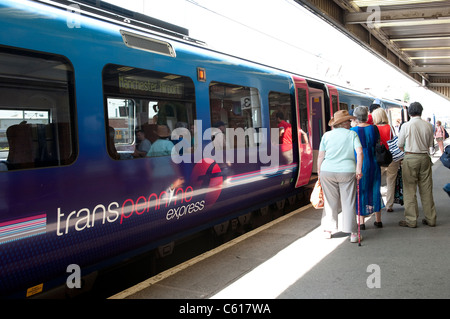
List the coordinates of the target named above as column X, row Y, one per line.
column 207, row 175
column 175, row 204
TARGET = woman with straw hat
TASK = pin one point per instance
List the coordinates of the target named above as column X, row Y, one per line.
column 338, row 173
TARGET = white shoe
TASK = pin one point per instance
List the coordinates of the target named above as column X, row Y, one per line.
column 354, row 238
column 327, row 234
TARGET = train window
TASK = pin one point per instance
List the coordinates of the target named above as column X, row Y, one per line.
column 238, row 107
column 303, row 109
column 334, row 103
column 344, row 106
column 142, row 108
column 281, row 117
column 37, row 110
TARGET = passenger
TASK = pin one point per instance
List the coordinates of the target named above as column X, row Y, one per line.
column 415, row 138
column 429, row 121
column 439, row 135
column 218, row 135
column 162, row 146
column 337, row 170
column 370, row 195
column 372, row 108
column 380, row 119
column 353, row 122
column 111, row 144
column 433, row 148
column 285, row 137
column 285, row 129
column 144, row 144
column 397, row 126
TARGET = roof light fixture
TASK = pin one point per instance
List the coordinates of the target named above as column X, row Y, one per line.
column 367, row 3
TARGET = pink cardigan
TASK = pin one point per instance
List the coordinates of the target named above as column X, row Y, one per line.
column 439, row 131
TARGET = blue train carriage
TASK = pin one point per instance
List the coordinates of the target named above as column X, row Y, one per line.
column 350, row 99
column 396, row 110
column 74, row 92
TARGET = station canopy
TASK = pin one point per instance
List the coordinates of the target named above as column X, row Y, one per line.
column 413, row 35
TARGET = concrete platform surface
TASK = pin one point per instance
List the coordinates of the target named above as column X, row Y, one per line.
column 290, row 259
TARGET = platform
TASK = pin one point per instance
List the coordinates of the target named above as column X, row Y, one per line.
column 289, row 259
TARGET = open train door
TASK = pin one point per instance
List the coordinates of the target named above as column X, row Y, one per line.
column 334, row 99
column 304, row 129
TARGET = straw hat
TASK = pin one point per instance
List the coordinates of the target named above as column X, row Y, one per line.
column 339, row 117
column 162, row 131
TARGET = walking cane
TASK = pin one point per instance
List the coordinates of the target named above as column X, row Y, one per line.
column 359, row 226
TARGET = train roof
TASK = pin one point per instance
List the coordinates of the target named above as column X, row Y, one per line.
column 141, row 27
column 146, row 25
column 131, row 19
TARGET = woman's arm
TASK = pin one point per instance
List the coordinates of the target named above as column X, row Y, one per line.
column 359, row 162
column 320, row 160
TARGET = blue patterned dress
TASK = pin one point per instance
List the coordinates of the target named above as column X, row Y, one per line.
column 370, row 200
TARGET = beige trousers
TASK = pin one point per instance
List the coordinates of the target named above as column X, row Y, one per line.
column 391, row 175
column 339, row 191
column 417, row 173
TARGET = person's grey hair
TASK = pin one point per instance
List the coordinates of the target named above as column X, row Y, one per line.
column 361, row 113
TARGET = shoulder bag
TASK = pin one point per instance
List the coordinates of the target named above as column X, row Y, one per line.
column 382, row 154
column 317, row 196
column 398, row 192
column 397, row 154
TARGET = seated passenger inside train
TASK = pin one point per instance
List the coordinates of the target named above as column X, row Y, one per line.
column 163, row 145
column 143, row 145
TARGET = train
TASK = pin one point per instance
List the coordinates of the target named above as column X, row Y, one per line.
column 78, row 79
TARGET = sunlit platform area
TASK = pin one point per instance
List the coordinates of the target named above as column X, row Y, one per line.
column 290, row 259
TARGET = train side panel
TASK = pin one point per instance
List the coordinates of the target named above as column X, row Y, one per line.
column 83, row 206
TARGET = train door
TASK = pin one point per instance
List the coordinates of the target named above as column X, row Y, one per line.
column 318, row 116
column 302, row 114
column 334, row 99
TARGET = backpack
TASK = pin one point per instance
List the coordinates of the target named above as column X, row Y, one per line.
column 445, row 157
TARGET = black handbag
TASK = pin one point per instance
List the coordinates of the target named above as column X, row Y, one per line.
column 382, row 154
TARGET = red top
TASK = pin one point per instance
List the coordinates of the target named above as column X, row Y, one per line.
column 286, row 138
column 385, row 133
